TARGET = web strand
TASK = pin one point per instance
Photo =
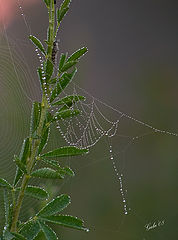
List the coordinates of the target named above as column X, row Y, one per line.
column 92, row 124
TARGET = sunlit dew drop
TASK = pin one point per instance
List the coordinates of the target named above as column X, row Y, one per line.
column 119, row 177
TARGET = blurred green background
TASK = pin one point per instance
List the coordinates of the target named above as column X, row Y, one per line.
column 132, row 65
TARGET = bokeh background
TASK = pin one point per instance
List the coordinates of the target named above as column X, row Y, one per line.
column 132, row 65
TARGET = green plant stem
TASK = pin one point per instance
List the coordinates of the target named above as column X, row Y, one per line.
column 19, row 203
column 35, row 145
column 30, row 165
column 13, row 199
column 57, row 29
column 51, row 29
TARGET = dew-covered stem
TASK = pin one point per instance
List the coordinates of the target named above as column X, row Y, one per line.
column 30, row 165
column 36, row 142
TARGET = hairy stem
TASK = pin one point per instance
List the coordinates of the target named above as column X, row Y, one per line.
column 30, row 165
column 36, row 142
column 51, row 29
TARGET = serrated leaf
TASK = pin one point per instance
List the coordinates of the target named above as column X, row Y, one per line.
column 46, row 173
column 35, row 117
column 48, row 232
column 49, row 70
column 18, row 236
column 61, row 14
column 30, row 230
column 65, row 152
column 62, row 60
column 66, row 221
column 35, row 192
column 68, row 65
column 44, row 140
column 20, row 164
column 78, row 54
column 66, row 114
column 62, row 84
column 69, row 100
column 4, row 183
column 55, row 206
column 37, row 43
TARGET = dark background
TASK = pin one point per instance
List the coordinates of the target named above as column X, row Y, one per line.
column 132, row 65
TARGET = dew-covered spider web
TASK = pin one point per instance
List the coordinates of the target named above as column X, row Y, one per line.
column 125, row 185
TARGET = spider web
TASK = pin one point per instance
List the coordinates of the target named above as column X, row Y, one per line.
column 99, row 127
